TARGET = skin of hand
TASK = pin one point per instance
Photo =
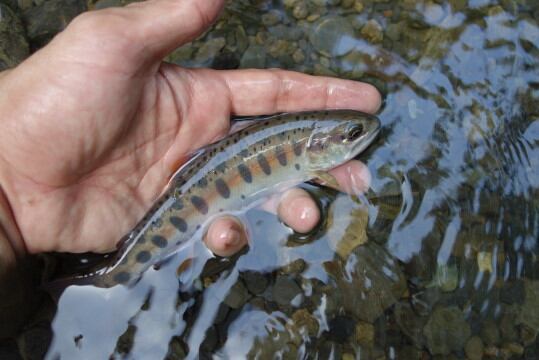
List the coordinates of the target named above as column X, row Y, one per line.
column 94, row 124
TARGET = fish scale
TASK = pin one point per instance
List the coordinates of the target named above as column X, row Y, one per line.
column 229, row 175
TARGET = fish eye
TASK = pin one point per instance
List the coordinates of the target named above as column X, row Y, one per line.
column 354, row 132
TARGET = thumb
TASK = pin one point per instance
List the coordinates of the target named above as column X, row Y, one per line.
column 156, row 27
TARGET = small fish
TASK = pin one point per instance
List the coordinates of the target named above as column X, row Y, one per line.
column 229, row 175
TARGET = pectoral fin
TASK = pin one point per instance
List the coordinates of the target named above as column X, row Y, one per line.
column 326, row 179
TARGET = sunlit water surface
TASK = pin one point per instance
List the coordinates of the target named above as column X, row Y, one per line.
column 438, row 259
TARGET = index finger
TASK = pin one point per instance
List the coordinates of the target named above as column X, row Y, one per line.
column 253, row 92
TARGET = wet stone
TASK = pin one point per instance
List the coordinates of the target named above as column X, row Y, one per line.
column 446, row 330
column 103, row 4
column 300, row 10
column 46, row 20
column 298, row 56
column 285, row 290
column 176, row 349
column 254, row 57
column 474, row 348
column 271, row 18
column 372, row 31
column 366, row 290
column 295, row 267
column 237, row 296
column 209, row 50
column 365, row 334
column 222, row 312
column 13, row 44
column 210, row 340
column 490, row 333
column 255, row 281
column 332, row 36
column 340, row 329
column 508, row 329
column 126, row 340
column 529, row 312
column 289, row 3
column 303, row 319
column 410, row 323
column 258, row 303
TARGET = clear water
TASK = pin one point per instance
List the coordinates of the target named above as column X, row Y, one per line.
column 438, row 260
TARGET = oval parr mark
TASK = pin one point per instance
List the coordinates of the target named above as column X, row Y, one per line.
column 177, row 204
column 199, row 204
column 298, row 148
column 222, row 188
column 221, row 167
column 143, row 256
column 122, row 277
column 178, row 223
column 297, row 166
column 264, row 164
column 159, row 241
column 281, row 155
column 202, row 183
column 245, row 173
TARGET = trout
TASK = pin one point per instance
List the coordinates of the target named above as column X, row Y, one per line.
column 274, row 152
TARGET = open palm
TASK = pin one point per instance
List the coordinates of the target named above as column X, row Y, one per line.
column 95, row 124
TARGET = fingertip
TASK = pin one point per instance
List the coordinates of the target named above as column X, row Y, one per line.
column 353, row 177
column 371, row 98
column 298, row 210
column 225, row 236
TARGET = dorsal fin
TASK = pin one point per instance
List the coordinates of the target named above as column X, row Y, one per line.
column 238, row 123
column 183, row 171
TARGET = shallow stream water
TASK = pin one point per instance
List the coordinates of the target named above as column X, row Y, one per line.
column 437, row 260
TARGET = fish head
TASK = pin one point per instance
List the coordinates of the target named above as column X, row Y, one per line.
column 339, row 138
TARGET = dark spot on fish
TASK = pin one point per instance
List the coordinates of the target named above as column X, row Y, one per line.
column 266, row 123
column 159, row 241
column 221, row 167
column 143, row 256
column 242, row 197
column 281, row 155
column 298, row 148
column 297, row 166
column 203, row 182
column 244, row 153
column 198, row 227
column 264, row 164
column 245, row 173
column 297, row 117
column 179, row 223
column 157, row 223
column 199, row 204
column 121, row 277
column 222, row 188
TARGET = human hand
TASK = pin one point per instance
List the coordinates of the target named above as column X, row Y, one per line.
column 94, row 125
